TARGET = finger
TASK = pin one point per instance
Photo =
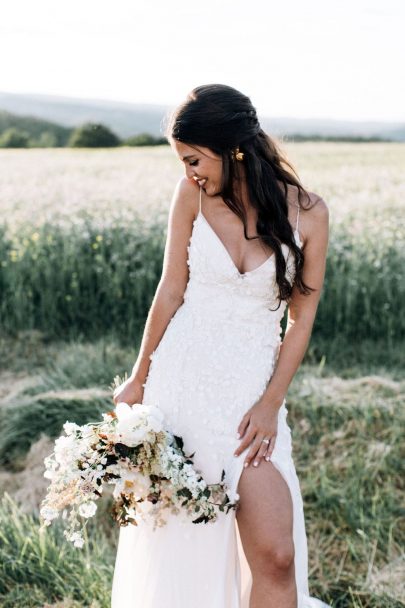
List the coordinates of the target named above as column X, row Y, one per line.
column 252, row 452
column 271, row 447
column 246, row 441
column 261, row 453
column 243, row 425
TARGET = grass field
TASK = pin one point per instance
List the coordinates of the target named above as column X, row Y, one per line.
column 82, row 242
column 39, row 185
column 80, row 252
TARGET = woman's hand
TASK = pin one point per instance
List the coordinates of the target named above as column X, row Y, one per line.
column 130, row 391
column 260, row 422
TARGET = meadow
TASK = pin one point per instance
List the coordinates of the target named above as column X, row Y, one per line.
column 81, row 245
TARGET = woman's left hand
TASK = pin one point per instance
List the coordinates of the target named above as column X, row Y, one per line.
column 260, row 422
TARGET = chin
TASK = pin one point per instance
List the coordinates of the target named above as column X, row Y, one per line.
column 211, row 191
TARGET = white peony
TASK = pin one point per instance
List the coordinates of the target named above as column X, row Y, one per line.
column 126, row 412
column 130, row 436
column 136, row 423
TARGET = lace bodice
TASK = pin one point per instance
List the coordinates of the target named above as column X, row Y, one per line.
column 216, row 285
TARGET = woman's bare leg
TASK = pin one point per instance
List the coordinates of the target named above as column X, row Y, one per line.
column 265, row 521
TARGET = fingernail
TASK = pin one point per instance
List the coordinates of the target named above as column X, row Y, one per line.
column 246, row 464
column 255, row 463
column 235, row 454
column 267, row 458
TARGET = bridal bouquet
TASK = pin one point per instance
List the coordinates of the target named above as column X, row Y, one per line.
column 145, row 463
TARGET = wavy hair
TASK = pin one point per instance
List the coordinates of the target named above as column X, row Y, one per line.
column 220, row 118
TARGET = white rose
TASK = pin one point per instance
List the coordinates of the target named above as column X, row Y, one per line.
column 155, row 423
column 130, row 436
column 126, row 412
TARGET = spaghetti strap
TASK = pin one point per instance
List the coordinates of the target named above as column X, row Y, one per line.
column 298, row 215
column 200, row 197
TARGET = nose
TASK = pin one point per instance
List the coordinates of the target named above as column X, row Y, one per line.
column 190, row 172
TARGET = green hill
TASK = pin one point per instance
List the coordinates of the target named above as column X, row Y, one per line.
column 39, row 131
column 129, row 119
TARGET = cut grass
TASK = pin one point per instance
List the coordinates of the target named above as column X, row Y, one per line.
column 348, row 450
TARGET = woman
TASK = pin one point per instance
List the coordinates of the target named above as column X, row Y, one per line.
column 238, row 250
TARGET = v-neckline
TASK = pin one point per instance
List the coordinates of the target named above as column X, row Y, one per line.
column 241, row 274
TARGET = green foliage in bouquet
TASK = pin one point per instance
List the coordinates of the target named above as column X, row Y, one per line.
column 147, row 465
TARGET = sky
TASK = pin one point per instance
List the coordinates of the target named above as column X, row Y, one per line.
column 297, row 58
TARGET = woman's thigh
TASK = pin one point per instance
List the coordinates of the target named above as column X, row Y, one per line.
column 265, row 516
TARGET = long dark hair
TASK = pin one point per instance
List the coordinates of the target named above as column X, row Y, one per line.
column 220, row 118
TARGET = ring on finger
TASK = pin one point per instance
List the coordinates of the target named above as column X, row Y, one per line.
column 269, row 451
column 260, row 453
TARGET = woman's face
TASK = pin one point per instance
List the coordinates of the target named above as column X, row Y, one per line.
column 202, row 165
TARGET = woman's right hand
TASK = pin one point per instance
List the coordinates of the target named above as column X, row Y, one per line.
column 130, row 391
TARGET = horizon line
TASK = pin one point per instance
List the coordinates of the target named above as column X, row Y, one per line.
column 173, row 105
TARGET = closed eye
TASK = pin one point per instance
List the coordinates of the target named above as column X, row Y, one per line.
column 194, row 163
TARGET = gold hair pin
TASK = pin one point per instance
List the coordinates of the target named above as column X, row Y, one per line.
column 238, row 155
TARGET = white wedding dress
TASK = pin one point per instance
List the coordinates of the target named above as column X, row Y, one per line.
column 213, row 362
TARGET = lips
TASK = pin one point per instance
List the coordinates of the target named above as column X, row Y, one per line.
column 201, row 182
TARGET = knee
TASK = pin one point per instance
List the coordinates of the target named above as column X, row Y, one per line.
column 276, row 559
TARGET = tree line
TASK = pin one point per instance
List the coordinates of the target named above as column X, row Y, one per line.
column 88, row 135
column 31, row 132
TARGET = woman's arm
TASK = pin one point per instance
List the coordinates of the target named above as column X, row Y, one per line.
column 302, row 308
column 260, row 421
column 170, row 290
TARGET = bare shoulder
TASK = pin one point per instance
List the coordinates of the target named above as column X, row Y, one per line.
column 314, row 213
column 308, row 201
column 317, row 222
column 317, row 210
column 316, row 201
column 182, row 211
column 186, row 196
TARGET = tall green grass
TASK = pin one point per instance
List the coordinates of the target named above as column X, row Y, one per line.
column 38, row 567
column 364, row 290
column 81, row 280
column 86, row 280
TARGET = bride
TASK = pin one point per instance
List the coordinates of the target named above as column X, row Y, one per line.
column 238, row 253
